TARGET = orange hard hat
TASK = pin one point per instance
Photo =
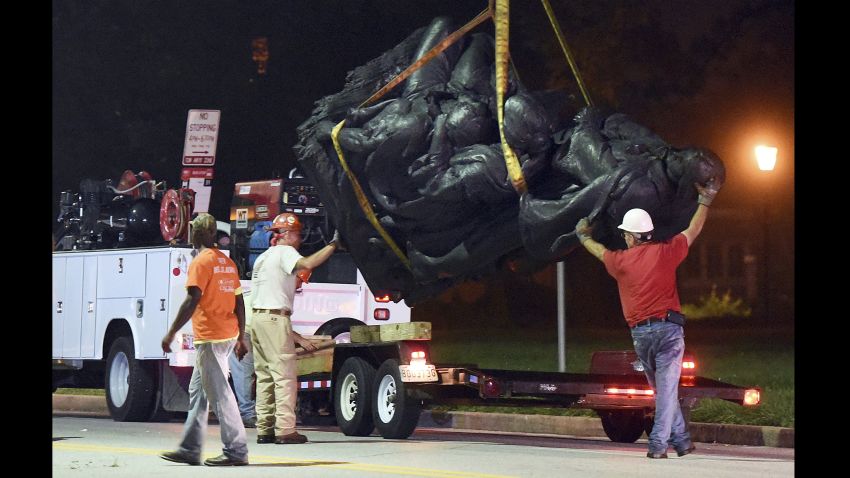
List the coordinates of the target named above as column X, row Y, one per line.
column 286, row 221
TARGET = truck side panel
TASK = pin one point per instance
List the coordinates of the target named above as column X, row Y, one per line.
column 316, row 303
column 154, row 320
column 88, row 327
column 399, row 312
column 121, row 275
column 122, row 309
column 180, row 259
column 72, row 314
column 58, row 303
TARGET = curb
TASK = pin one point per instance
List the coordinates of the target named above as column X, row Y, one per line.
column 750, row 435
column 88, row 404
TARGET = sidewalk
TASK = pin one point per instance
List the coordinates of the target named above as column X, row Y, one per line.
column 750, row 435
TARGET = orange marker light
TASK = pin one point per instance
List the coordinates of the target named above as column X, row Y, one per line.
column 752, row 397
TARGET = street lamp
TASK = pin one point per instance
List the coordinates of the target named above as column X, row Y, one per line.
column 766, row 158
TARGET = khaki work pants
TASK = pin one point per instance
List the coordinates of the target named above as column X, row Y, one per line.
column 276, row 368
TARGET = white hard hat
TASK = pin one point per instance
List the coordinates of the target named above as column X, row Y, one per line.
column 637, row 220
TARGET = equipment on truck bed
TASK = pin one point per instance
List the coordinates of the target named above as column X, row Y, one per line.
column 254, row 206
column 138, row 212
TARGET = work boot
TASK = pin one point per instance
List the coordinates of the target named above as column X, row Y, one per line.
column 686, row 450
column 291, row 439
column 180, row 457
column 224, row 460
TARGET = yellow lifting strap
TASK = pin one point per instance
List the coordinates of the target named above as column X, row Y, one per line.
column 362, row 200
column 558, row 33
column 502, row 20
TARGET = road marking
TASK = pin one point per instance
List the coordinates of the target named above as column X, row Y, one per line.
column 266, row 459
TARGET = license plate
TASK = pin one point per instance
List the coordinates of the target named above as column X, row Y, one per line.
column 427, row 373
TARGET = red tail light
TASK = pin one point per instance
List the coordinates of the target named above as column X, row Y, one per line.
column 382, row 314
column 418, row 358
column 491, row 388
column 689, row 366
column 629, row 391
column 752, row 397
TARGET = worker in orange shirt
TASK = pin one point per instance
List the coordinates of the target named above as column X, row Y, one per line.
column 215, row 306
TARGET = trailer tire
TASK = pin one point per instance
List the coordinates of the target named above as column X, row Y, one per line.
column 394, row 413
column 623, row 426
column 339, row 329
column 130, row 384
column 353, row 397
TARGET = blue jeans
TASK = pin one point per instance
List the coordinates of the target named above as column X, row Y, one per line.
column 660, row 347
column 242, row 373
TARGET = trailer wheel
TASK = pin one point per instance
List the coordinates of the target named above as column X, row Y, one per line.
column 622, row 426
column 353, row 397
column 130, row 385
column 395, row 414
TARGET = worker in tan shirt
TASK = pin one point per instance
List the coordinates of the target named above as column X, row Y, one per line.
column 273, row 282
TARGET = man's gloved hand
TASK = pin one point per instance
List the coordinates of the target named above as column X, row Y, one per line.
column 707, row 193
column 336, row 240
column 583, row 229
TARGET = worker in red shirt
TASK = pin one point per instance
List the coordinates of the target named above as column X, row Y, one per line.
column 646, row 278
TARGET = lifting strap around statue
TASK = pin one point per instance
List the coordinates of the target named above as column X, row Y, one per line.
column 566, row 49
column 502, row 21
column 362, row 200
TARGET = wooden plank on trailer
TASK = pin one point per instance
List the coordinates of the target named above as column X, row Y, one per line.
column 365, row 334
column 405, row 331
column 316, row 363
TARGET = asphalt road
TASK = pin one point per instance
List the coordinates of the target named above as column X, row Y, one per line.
column 95, row 447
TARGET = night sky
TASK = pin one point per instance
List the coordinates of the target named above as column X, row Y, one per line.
column 716, row 73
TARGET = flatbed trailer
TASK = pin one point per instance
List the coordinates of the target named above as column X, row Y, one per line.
column 385, row 385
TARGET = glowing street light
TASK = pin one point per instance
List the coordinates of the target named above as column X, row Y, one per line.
column 766, row 157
